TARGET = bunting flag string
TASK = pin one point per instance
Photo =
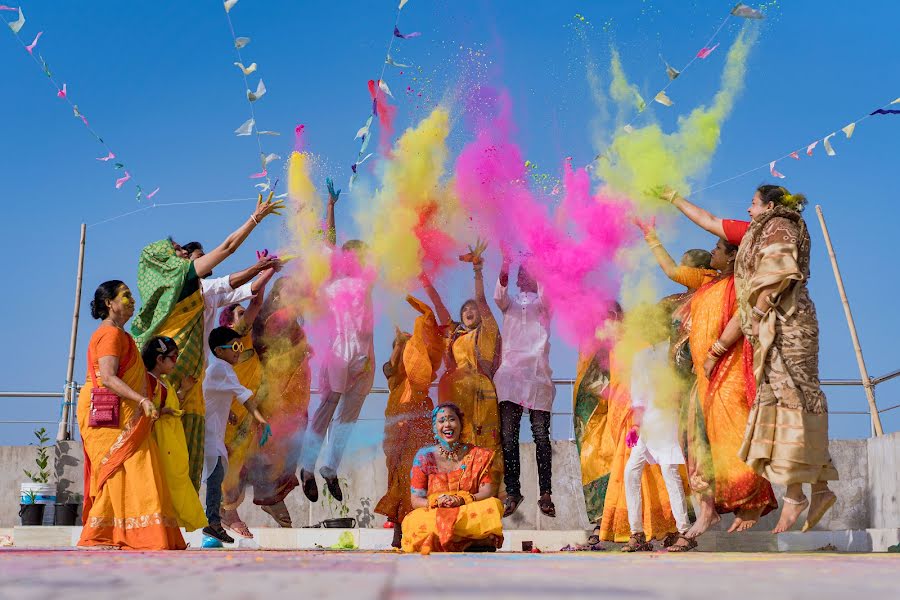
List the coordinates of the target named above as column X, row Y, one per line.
column 249, row 127
column 379, row 91
column 63, row 93
column 826, row 141
column 167, row 204
column 740, row 11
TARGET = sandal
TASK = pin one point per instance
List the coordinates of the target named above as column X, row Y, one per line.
column 691, row 544
column 594, row 538
column 638, row 543
column 671, row 538
column 280, row 513
column 546, row 505
column 812, row 519
column 511, row 504
column 232, row 522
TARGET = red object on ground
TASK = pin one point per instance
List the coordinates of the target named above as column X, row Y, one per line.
column 387, row 525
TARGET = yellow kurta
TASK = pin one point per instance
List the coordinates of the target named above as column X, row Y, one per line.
column 240, row 433
column 169, row 436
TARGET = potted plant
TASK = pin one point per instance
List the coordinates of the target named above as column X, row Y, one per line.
column 38, row 491
column 67, row 513
column 341, row 521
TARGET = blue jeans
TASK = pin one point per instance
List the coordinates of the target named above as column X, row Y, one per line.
column 214, row 493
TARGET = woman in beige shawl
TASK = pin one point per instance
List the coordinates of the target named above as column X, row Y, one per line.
column 786, row 440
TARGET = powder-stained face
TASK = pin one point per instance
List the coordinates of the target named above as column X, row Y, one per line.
column 237, row 315
column 758, row 207
column 447, row 427
column 123, row 303
column 470, row 315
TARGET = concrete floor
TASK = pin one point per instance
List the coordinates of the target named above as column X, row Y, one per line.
column 26, row 574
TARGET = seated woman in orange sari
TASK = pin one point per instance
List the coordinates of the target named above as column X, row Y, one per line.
column 452, row 492
column 126, row 499
column 414, row 364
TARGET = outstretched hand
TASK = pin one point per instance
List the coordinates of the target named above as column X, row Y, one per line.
column 269, row 207
column 474, row 254
column 332, row 195
column 663, row 192
column 647, row 227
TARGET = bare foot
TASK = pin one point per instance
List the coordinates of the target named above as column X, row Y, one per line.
column 790, row 512
column 744, row 520
column 707, row 518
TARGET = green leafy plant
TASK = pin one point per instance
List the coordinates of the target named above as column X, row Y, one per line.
column 335, row 506
column 42, row 474
column 30, row 497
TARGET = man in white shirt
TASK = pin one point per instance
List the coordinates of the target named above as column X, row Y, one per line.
column 655, row 396
column 221, row 386
column 524, row 380
column 347, row 373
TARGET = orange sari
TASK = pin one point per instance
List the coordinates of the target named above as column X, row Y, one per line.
column 407, row 418
column 719, row 409
column 658, row 520
column 126, row 500
column 429, row 530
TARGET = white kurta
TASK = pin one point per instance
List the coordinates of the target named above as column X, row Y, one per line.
column 651, row 377
column 220, row 386
column 525, row 377
column 218, row 293
column 350, row 362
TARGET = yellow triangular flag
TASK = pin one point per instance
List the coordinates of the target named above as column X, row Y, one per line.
column 229, row 4
column 897, row 101
column 663, row 99
column 848, row 130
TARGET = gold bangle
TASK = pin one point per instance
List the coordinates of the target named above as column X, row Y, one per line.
column 253, row 218
column 653, row 245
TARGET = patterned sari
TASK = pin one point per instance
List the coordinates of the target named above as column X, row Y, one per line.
column 284, row 401
column 407, row 418
column 658, row 520
column 126, row 499
column 718, row 409
column 429, row 530
column 472, row 360
column 786, row 440
column 162, row 278
column 595, row 445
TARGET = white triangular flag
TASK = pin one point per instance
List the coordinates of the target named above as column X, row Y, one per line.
column 259, row 93
column 848, row 130
column 246, row 128
column 246, row 70
column 269, row 158
column 364, row 159
column 628, row 129
column 663, row 99
column 16, row 25
column 229, row 4
column 364, row 130
column 402, row 4
column 241, row 42
column 774, row 172
column 267, row 132
column 897, row 101
column 390, row 61
column 384, row 88
column 809, row 149
column 828, row 149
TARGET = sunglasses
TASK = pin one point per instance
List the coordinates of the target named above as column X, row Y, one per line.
column 237, row 346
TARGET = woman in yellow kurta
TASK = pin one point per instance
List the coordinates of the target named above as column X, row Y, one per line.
column 126, row 500
column 452, row 492
column 159, row 357
column 658, row 520
column 472, row 359
column 718, row 406
column 414, row 364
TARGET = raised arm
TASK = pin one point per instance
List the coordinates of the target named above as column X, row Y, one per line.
column 700, row 216
column 331, row 233
column 440, row 309
column 206, row 263
column 501, row 291
column 266, row 265
column 665, row 260
column 474, row 256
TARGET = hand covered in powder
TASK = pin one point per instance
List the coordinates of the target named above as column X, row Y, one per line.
column 647, row 227
column 474, row 254
column 663, row 192
column 264, row 209
column 631, row 438
column 332, row 195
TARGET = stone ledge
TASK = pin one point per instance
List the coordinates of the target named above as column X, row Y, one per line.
column 268, row 538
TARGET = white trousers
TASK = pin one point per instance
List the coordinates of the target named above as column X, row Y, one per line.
column 634, row 469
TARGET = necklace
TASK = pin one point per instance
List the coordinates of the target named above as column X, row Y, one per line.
column 453, row 453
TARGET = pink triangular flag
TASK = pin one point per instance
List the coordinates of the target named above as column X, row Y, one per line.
column 809, row 149
column 153, row 193
column 260, row 175
column 774, row 172
column 108, row 157
column 30, row 47
column 704, row 52
column 121, row 180
column 61, row 93
column 794, row 155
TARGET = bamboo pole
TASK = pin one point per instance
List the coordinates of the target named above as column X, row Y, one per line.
column 63, row 432
column 864, row 374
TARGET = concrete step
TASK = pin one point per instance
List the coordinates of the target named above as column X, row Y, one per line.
column 266, row 538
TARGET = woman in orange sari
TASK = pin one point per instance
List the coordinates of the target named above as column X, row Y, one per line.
column 658, row 520
column 452, row 492
column 719, row 406
column 472, row 359
column 407, row 427
column 126, row 501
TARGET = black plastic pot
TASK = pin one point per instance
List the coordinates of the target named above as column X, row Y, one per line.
column 65, row 514
column 342, row 523
column 31, row 514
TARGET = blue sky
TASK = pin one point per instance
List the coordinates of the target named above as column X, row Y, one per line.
column 157, row 82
